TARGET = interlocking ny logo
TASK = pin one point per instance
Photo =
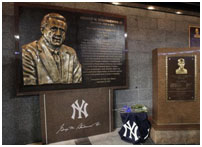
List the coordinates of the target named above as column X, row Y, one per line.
column 80, row 109
column 133, row 130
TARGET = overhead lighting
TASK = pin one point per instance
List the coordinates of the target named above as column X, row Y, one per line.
column 178, row 12
column 150, row 8
column 115, row 3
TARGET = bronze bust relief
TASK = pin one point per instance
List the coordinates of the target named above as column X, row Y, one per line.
column 196, row 35
column 181, row 69
column 48, row 60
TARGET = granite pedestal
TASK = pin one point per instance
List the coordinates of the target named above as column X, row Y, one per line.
column 174, row 121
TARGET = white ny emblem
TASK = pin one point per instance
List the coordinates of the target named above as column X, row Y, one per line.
column 80, row 109
column 133, row 130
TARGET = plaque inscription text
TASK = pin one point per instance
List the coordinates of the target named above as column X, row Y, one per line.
column 181, row 78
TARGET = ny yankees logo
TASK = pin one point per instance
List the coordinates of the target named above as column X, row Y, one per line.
column 147, row 134
column 133, row 130
column 80, row 109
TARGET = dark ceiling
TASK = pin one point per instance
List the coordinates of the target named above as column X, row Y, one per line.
column 187, row 8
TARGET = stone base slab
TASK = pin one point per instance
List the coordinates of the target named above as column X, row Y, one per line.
column 175, row 136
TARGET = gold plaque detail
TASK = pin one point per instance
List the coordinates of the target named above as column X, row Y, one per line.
column 197, row 35
column 181, row 81
column 181, row 69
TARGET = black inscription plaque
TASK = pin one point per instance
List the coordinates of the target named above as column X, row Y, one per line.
column 181, row 78
column 102, row 46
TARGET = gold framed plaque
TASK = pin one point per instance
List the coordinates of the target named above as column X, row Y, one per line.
column 181, row 78
column 194, row 36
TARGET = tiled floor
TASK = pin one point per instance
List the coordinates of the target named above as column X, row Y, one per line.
column 112, row 138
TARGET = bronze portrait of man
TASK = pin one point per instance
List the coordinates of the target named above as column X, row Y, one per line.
column 181, row 69
column 196, row 35
column 48, row 60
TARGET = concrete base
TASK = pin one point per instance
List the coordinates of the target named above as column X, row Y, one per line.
column 175, row 136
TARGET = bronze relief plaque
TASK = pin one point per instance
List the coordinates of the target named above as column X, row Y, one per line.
column 181, row 77
column 59, row 48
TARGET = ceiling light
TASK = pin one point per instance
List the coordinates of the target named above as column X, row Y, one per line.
column 150, row 8
column 115, row 3
column 178, row 12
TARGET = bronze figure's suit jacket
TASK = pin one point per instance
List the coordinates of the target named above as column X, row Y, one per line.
column 39, row 66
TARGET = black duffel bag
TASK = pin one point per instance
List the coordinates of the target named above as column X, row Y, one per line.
column 136, row 127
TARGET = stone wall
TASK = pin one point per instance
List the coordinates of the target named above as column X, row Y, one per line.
column 147, row 30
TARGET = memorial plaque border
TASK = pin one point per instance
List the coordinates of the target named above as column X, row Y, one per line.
column 195, row 78
column 19, row 91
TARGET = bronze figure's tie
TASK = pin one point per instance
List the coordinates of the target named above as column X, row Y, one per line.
column 56, row 58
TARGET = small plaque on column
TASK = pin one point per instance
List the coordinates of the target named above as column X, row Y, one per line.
column 181, row 77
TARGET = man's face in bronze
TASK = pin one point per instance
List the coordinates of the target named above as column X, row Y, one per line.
column 54, row 32
column 181, row 65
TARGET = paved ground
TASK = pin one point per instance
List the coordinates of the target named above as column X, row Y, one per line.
column 112, row 138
